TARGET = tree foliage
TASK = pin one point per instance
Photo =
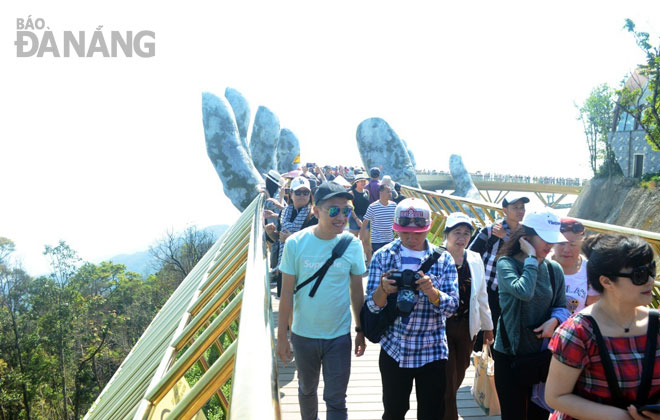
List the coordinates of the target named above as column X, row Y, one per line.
column 596, row 114
column 63, row 335
column 638, row 95
column 179, row 252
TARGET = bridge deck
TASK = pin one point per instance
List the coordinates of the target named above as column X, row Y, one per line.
column 364, row 398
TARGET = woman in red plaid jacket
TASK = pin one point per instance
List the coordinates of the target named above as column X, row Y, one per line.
column 622, row 269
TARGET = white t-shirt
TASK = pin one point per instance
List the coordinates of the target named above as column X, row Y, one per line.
column 578, row 288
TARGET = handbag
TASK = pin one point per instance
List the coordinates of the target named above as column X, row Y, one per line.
column 538, row 390
column 374, row 325
column 531, row 368
column 483, row 387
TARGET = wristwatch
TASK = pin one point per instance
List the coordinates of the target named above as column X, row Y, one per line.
column 358, row 330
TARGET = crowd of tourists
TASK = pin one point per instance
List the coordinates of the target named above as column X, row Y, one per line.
column 564, row 315
column 528, row 179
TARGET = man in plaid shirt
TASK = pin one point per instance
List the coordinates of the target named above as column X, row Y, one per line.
column 415, row 346
column 487, row 243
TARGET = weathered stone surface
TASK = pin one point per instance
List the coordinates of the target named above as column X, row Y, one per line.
column 380, row 146
column 464, row 185
column 240, row 179
column 410, row 153
column 288, row 148
column 263, row 142
column 241, row 109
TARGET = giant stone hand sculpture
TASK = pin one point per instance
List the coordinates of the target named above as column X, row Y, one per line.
column 263, row 142
column 464, row 185
column 240, row 179
column 288, row 149
column 240, row 166
column 380, row 146
column 241, row 110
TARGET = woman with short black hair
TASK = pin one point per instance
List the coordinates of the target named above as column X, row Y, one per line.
column 622, row 269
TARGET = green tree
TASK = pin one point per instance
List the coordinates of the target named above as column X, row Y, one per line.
column 596, row 114
column 638, row 95
column 179, row 252
column 63, row 261
column 12, row 287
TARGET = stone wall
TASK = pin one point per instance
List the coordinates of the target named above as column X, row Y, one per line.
column 628, row 143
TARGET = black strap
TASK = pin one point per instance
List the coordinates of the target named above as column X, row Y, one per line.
column 430, row 261
column 337, row 252
column 605, row 360
column 648, row 364
column 649, row 358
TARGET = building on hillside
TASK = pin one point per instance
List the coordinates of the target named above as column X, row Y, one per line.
column 633, row 153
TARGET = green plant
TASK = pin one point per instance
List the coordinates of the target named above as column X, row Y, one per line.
column 650, row 181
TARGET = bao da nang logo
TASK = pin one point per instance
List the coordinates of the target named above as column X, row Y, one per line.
column 35, row 39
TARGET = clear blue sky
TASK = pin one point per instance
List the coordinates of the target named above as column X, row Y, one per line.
column 107, row 153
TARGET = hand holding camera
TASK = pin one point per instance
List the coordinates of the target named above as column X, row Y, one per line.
column 388, row 284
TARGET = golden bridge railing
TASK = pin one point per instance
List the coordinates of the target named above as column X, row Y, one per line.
column 443, row 204
column 213, row 339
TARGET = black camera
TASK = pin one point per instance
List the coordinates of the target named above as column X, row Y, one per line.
column 405, row 282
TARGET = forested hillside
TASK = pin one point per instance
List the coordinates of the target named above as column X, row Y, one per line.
column 62, row 336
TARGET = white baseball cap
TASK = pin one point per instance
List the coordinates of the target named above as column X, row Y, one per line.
column 300, row 182
column 458, row 218
column 410, row 214
column 546, row 224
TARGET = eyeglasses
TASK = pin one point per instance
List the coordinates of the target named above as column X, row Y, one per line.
column 640, row 275
column 301, row 193
column 334, row 211
column 406, row 221
column 575, row 227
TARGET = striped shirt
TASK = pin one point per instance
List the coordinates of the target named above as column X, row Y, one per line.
column 487, row 245
column 419, row 338
column 382, row 219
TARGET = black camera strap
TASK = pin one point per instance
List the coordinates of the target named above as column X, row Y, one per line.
column 337, row 252
column 430, row 261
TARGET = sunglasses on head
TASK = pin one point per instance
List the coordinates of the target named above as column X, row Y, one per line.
column 406, row 221
column 575, row 227
column 640, row 275
column 301, row 193
column 334, row 211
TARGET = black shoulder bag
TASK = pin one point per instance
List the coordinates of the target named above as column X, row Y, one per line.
column 531, row 368
column 337, row 252
column 647, row 367
column 375, row 325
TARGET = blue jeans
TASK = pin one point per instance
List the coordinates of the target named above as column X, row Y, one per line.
column 334, row 355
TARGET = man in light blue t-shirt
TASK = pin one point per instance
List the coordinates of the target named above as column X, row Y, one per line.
column 320, row 332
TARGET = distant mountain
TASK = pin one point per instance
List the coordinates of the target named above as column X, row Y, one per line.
column 143, row 263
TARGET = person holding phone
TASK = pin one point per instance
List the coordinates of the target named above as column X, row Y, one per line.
column 622, row 269
column 533, row 305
